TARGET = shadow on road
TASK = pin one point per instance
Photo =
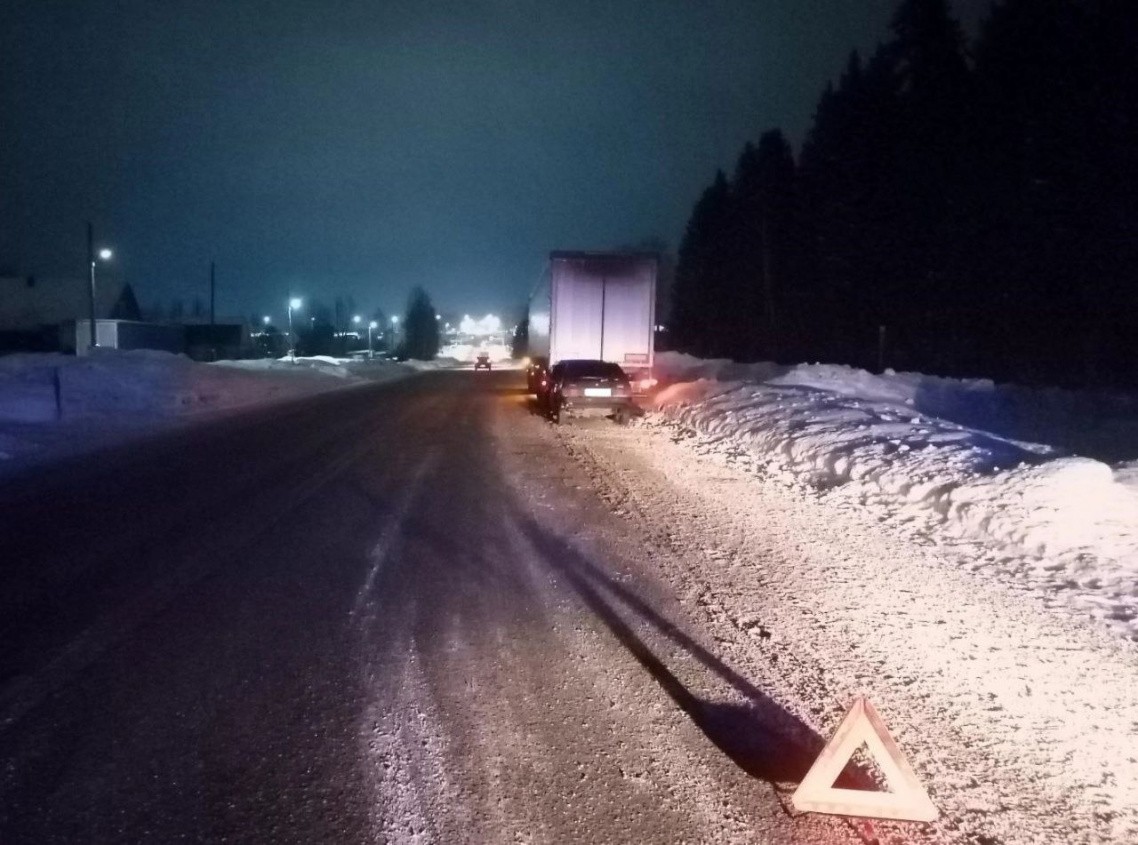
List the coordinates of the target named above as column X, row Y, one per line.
column 512, row 391
column 535, row 407
column 762, row 738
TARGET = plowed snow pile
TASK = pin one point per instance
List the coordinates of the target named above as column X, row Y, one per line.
column 946, row 449
column 54, row 403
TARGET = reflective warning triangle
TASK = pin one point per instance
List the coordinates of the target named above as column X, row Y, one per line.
column 817, row 794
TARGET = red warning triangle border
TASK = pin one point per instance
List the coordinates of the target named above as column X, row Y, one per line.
column 862, row 725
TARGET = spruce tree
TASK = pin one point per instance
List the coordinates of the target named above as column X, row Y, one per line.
column 762, row 220
column 420, row 327
column 699, row 308
column 928, row 231
column 519, row 344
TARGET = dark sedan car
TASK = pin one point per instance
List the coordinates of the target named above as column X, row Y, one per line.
column 580, row 388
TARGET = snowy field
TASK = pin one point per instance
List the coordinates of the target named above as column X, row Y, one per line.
column 51, row 405
column 1049, row 478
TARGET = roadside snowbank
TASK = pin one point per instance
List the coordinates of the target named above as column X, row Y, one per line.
column 325, row 364
column 899, row 443
column 49, row 402
column 443, row 362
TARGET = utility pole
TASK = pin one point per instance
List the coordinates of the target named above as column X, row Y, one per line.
column 212, row 291
column 91, row 271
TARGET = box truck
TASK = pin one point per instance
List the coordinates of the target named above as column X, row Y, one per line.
column 594, row 306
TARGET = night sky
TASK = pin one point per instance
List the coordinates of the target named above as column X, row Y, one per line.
column 359, row 148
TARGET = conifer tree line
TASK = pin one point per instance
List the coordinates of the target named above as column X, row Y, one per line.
column 420, row 338
column 960, row 209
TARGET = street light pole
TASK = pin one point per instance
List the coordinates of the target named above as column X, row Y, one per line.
column 370, row 327
column 91, row 270
column 104, row 254
column 293, row 302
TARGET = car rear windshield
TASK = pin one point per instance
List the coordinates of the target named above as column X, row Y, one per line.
column 592, row 369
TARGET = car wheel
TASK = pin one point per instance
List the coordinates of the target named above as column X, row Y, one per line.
column 620, row 416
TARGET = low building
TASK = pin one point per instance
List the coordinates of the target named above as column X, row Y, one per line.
column 32, row 309
column 75, row 336
column 225, row 339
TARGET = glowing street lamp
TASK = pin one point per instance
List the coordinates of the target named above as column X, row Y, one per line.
column 294, row 303
column 103, row 255
column 356, row 320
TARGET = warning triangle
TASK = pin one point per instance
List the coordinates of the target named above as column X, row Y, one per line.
column 861, row 725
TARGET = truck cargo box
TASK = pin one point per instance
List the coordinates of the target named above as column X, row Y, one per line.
column 596, row 305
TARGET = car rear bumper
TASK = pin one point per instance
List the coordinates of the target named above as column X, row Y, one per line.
column 584, row 406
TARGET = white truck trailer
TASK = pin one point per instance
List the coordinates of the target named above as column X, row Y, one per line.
column 597, row 306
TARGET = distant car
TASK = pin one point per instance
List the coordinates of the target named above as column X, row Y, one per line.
column 482, row 362
column 579, row 388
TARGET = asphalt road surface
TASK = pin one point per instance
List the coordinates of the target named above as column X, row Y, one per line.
column 396, row 613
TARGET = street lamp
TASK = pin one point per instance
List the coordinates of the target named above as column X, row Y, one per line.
column 372, row 326
column 294, row 303
column 266, row 320
column 103, row 255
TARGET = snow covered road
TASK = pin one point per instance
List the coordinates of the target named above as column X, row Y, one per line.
column 392, row 614
column 420, row 613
